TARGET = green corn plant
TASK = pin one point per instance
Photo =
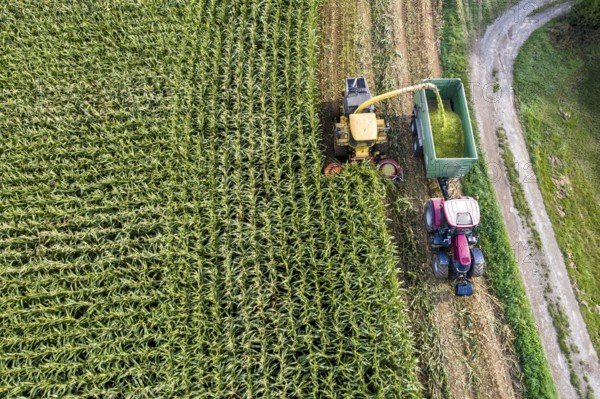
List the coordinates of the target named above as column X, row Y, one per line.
column 165, row 229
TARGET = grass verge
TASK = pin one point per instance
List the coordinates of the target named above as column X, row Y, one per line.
column 516, row 188
column 545, row 7
column 558, row 92
column 502, row 272
column 476, row 15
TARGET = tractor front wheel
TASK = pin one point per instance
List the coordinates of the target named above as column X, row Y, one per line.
column 440, row 265
column 477, row 270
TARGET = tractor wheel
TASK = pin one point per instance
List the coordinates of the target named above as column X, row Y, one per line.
column 413, row 127
column 340, row 151
column 477, row 270
column 429, row 217
column 440, row 266
column 417, row 148
column 478, row 263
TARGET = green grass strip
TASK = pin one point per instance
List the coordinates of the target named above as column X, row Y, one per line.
column 556, row 82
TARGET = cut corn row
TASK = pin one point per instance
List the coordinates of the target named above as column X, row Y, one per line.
column 165, row 230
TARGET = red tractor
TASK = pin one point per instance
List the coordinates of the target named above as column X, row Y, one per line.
column 451, row 224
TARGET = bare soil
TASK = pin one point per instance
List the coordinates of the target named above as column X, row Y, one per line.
column 493, row 58
column 477, row 353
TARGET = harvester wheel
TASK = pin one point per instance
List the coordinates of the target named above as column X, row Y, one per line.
column 390, row 169
column 440, row 265
column 340, row 151
column 429, row 217
column 417, row 147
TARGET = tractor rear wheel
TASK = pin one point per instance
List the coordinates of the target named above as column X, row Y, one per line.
column 477, row 270
column 478, row 263
column 417, row 147
column 429, row 217
column 440, row 265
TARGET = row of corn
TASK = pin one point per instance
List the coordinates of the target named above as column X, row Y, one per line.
column 165, row 230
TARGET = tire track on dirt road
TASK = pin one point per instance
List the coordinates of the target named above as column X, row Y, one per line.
column 492, row 58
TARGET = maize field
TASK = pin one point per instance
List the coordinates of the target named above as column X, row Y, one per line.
column 165, row 228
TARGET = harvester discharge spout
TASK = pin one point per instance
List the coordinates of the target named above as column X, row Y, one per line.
column 395, row 93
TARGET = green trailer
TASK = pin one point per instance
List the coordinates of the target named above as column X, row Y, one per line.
column 426, row 111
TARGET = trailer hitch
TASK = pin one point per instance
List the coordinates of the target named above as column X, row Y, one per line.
column 445, row 187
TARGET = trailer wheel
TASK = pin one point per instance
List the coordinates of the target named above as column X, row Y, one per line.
column 417, row 147
column 413, row 127
column 440, row 265
column 429, row 217
column 478, row 263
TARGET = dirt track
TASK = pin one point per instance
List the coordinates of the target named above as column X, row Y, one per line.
column 497, row 51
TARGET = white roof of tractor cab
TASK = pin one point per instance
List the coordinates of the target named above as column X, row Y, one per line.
column 363, row 126
column 462, row 212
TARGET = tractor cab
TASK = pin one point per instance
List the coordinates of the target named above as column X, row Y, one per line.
column 446, row 219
